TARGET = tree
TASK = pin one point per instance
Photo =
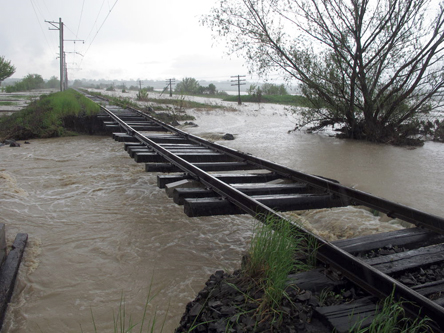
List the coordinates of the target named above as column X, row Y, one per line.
column 273, row 89
column 373, row 66
column 6, row 69
column 29, row 82
column 54, row 82
column 77, row 83
column 188, row 85
column 212, row 89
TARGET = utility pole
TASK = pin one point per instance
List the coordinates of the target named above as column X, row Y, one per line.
column 170, row 83
column 238, row 82
column 65, row 81
column 59, row 26
column 63, row 70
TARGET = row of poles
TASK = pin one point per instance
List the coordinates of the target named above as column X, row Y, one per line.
column 237, row 80
column 63, row 67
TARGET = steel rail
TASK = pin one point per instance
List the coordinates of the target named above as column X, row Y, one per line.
column 348, row 195
column 364, row 275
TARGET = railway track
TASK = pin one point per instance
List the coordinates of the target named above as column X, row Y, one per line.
column 210, row 179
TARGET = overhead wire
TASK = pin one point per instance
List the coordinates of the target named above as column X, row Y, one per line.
column 98, row 14
column 77, row 32
column 92, row 41
column 38, row 20
column 80, row 19
column 100, row 28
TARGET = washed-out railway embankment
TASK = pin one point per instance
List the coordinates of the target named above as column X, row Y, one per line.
column 210, row 179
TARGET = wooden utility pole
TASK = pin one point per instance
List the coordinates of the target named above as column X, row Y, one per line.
column 238, row 82
column 170, row 83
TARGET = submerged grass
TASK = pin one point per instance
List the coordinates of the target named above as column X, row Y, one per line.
column 47, row 116
column 123, row 321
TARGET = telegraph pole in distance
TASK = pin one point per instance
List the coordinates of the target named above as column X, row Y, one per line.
column 170, row 83
column 238, row 82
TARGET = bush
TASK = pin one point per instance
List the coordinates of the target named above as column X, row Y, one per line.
column 31, row 81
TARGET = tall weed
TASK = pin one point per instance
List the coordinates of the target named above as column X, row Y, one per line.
column 271, row 259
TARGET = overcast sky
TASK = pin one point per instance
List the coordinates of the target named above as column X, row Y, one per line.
column 124, row 39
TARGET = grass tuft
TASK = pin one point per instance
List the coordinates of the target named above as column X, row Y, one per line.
column 391, row 317
column 271, row 258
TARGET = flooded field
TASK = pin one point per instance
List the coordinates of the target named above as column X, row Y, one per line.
column 100, row 229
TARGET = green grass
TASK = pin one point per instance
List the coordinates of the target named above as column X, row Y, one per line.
column 5, row 103
column 391, row 317
column 271, row 258
column 47, row 116
column 20, row 96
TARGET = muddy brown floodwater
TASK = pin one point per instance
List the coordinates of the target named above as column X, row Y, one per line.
column 100, row 229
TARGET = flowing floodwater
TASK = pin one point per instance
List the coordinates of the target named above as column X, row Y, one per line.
column 100, row 229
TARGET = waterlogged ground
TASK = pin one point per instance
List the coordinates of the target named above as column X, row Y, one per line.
column 99, row 228
column 13, row 102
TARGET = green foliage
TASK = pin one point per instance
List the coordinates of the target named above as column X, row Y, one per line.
column 191, row 86
column 374, row 69
column 52, row 83
column 267, row 89
column 30, row 82
column 391, row 317
column 271, row 258
column 77, row 83
column 142, row 95
column 188, row 85
column 6, row 69
column 212, row 89
column 46, row 117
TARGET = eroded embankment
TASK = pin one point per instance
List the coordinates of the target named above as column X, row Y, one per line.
column 54, row 115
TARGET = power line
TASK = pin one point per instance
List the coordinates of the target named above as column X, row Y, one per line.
column 47, row 9
column 38, row 20
column 97, row 17
column 80, row 19
column 100, row 26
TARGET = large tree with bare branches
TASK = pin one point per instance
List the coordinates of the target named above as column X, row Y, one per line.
column 373, row 66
